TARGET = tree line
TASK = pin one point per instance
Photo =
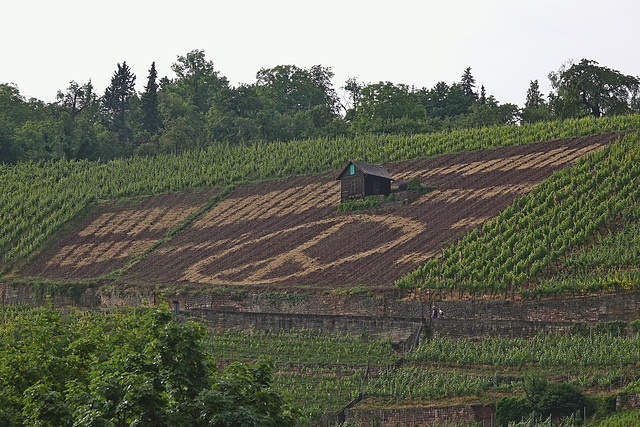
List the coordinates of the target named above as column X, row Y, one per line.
column 199, row 107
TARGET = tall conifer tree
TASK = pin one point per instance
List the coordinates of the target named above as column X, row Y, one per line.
column 117, row 95
column 468, row 84
column 149, row 103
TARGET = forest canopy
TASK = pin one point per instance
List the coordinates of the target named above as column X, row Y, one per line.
column 198, row 108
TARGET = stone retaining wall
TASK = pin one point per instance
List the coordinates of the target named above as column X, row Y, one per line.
column 398, row 331
column 420, row 416
column 381, row 315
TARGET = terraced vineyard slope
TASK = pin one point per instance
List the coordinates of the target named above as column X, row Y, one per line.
column 286, row 234
column 37, row 199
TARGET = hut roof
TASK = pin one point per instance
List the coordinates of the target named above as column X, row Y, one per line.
column 367, row 169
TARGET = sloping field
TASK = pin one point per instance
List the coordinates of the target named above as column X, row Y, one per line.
column 286, row 234
column 115, row 233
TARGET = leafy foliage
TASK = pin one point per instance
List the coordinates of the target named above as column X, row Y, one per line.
column 509, row 409
column 355, row 205
column 415, row 186
column 137, row 367
column 620, row 419
column 542, row 398
column 588, row 88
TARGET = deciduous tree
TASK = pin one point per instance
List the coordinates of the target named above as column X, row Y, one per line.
column 587, row 88
column 197, row 79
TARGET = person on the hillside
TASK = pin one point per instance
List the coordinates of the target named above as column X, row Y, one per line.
column 434, row 312
column 440, row 313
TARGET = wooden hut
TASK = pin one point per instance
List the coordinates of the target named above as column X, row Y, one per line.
column 360, row 179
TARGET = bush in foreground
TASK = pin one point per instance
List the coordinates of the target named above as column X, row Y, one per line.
column 137, row 367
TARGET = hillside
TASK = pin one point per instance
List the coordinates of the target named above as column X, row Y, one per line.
column 272, row 267
column 286, row 235
column 38, row 198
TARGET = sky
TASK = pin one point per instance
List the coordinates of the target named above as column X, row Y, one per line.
column 507, row 43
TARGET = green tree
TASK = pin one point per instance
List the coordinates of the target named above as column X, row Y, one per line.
column 243, row 396
column 77, row 98
column 233, row 116
column 468, row 84
column 116, row 100
column 535, row 107
column 9, row 152
column 353, row 88
column 491, row 113
column 444, row 100
column 149, row 103
column 587, row 88
column 380, row 104
column 296, row 102
column 17, row 114
column 547, row 399
column 183, row 125
column 136, row 367
column 74, row 122
column 482, row 99
column 197, row 79
column 288, row 89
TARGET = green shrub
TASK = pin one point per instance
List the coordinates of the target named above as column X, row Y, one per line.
column 633, row 387
column 635, row 325
column 355, row 205
column 614, row 328
column 415, row 186
column 561, row 399
column 605, row 405
column 580, row 329
column 511, row 409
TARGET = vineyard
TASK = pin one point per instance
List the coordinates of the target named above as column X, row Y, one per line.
column 287, row 235
column 36, row 199
column 324, row 373
column 526, row 238
column 320, row 373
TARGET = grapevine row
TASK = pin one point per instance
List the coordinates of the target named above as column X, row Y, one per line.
column 528, row 236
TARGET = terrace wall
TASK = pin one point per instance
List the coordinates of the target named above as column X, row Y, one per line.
column 589, row 309
column 469, row 319
column 379, row 316
column 628, row 402
column 419, row 416
column 625, row 306
column 397, row 330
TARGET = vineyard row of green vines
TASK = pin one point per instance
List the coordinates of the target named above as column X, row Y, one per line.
column 507, row 253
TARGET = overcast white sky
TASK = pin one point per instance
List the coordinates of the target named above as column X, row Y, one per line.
column 507, row 43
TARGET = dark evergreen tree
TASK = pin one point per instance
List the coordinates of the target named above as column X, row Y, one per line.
column 535, row 98
column 116, row 97
column 468, row 84
column 483, row 95
column 535, row 108
column 149, row 103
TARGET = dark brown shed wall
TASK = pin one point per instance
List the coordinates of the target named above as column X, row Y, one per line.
column 376, row 185
column 352, row 186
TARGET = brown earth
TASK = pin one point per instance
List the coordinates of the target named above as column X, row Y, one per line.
column 113, row 233
column 286, row 235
